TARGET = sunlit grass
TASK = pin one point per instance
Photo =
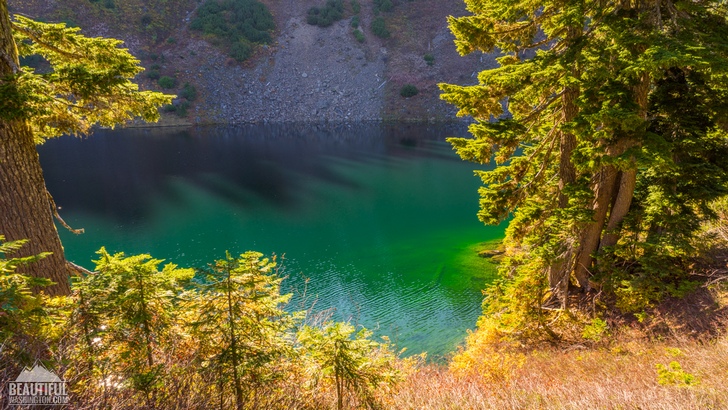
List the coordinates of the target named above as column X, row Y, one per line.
column 624, row 376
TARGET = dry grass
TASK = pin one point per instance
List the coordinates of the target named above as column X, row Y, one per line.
column 623, row 377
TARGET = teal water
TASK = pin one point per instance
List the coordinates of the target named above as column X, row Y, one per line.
column 380, row 218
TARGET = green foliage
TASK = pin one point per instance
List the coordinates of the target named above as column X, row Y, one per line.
column 326, row 16
column 596, row 330
column 241, row 50
column 134, row 300
column 355, row 22
column 359, row 36
column 355, row 6
column 357, row 365
column 607, row 145
column 379, row 28
column 145, row 20
column 241, row 325
column 153, row 74
column 89, row 82
column 674, row 375
column 383, row 5
column 179, row 109
column 159, row 336
column 429, row 59
column 408, row 90
column 235, row 24
column 167, row 82
column 24, row 318
column 109, row 4
column 189, row 92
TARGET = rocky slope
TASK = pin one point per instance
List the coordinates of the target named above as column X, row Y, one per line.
column 307, row 74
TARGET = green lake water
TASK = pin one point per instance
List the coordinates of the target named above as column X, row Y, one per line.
column 380, row 218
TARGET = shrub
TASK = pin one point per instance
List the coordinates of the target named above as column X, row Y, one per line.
column 359, row 36
column 383, row 5
column 153, row 74
column 326, row 16
column 429, row 59
column 355, row 21
column 379, row 28
column 182, row 108
column 167, row 82
column 596, row 330
column 408, row 91
column 109, row 4
column 235, row 25
column 355, row 6
column 241, row 50
column 673, row 374
column 189, row 92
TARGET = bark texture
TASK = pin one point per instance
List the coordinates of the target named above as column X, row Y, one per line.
column 25, row 208
column 560, row 270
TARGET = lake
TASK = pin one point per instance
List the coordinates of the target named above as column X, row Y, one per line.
column 381, row 218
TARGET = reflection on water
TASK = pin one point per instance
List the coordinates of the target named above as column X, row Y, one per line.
column 381, row 218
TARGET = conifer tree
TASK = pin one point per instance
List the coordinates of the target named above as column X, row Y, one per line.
column 89, row 83
column 242, row 327
column 577, row 119
column 125, row 312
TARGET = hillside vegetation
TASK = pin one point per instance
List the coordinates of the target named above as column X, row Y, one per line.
column 355, row 59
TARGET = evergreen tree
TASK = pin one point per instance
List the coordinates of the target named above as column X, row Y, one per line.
column 136, row 304
column 89, row 83
column 577, row 119
column 242, row 327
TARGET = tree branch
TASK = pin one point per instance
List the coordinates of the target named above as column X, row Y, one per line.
column 54, row 209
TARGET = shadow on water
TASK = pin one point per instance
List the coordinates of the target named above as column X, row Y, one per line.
column 122, row 169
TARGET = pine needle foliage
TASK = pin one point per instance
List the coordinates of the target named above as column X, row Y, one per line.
column 141, row 333
column 606, row 122
column 89, row 82
column 23, row 316
column 349, row 362
column 241, row 325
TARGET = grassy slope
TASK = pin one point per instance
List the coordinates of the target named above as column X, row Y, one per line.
column 623, row 377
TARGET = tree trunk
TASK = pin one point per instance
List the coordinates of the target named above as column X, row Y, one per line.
column 233, row 339
column 592, row 233
column 25, row 209
column 621, row 205
column 560, row 269
column 628, row 180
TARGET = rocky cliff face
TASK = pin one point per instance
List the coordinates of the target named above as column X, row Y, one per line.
column 307, row 74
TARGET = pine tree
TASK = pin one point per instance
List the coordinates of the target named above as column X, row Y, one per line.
column 242, row 327
column 125, row 317
column 90, row 83
column 575, row 123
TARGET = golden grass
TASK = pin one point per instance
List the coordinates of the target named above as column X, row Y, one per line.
column 623, row 377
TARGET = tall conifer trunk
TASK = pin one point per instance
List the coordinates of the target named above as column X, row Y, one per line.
column 603, row 188
column 560, row 270
column 25, row 209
